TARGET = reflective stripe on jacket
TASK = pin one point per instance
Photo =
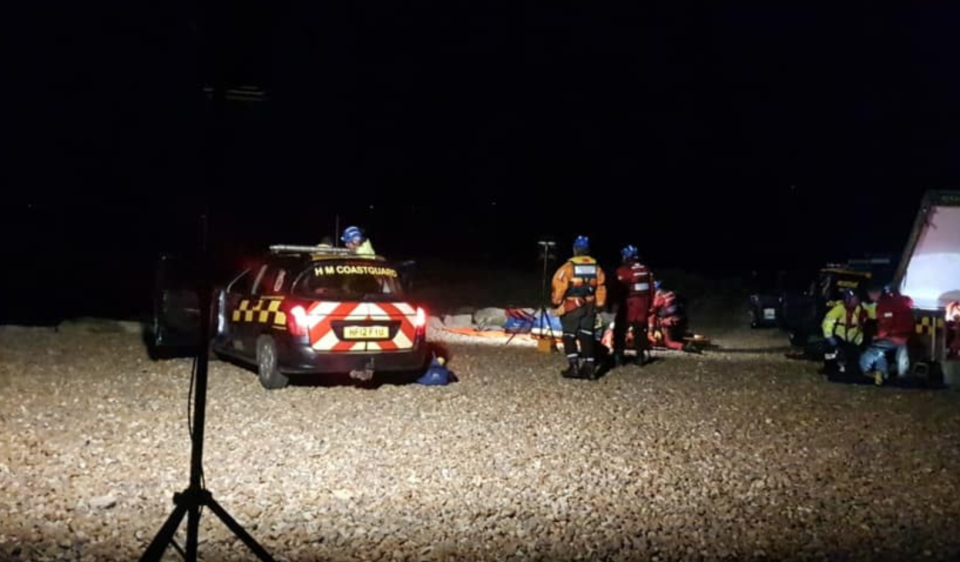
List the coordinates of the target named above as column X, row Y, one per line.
column 580, row 278
column 845, row 324
column 638, row 281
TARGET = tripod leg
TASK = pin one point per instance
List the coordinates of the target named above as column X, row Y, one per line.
column 239, row 531
column 193, row 532
column 164, row 538
column 176, row 546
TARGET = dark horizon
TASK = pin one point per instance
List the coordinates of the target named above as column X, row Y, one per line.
column 718, row 140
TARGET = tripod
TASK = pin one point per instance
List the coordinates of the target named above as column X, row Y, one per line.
column 546, row 245
column 196, row 496
column 190, row 502
column 543, row 310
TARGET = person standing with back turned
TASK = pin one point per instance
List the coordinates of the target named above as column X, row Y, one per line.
column 579, row 288
column 638, row 294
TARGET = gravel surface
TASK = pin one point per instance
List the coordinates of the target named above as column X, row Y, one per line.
column 737, row 454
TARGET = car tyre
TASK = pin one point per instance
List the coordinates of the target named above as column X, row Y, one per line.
column 798, row 339
column 212, row 353
column 270, row 376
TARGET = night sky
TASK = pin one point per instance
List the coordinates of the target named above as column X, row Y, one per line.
column 716, row 139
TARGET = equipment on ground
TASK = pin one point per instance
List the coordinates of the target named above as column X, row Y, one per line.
column 541, row 322
column 437, row 374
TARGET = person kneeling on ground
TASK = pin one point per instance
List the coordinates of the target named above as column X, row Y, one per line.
column 667, row 323
column 843, row 333
column 895, row 325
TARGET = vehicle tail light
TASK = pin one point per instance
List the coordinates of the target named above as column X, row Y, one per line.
column 420, row 321
column 297, row 323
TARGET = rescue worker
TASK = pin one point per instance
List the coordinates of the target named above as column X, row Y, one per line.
column 667, row 323
column 636, row 297
column 578, row 290
column 953, row 330
column 354, row 239
column 326, row 243
column 843, row 332
column 893, row 313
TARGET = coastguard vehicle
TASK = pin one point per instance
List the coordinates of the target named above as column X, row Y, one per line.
column 313, row 310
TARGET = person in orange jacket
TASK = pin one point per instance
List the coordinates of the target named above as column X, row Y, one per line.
column 578, row 290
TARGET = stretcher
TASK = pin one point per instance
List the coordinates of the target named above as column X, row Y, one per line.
column 699, row 341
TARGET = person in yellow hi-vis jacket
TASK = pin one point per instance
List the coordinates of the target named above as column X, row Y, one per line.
column 579, row 289
column 843, row 331
column 354, row 239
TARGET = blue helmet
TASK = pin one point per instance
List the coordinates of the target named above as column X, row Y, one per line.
column 629, row 252
column 581, row 243
column 657, row 284
column 351, row 234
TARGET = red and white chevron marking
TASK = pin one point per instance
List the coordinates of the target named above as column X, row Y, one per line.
column 320, row 317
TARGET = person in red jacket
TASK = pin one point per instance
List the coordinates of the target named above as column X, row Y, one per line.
column 894, row 324
column 667, row 322
column 637, row 294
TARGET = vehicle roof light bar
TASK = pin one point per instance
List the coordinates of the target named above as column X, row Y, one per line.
column 294, row 249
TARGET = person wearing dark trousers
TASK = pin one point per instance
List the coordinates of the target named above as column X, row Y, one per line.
column 843, row 334
column 578, row 290
column 636, row 294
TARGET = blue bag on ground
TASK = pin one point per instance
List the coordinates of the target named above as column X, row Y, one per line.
column 550, row 323
column 437, row 374
column 520, row 321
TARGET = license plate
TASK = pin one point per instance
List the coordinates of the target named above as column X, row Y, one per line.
column 365, row 332
column 769, row 313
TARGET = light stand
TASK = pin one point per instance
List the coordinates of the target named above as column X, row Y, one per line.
column 546, row 245
column 190, row 502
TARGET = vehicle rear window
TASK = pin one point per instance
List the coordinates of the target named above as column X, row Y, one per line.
column 272, row 282
column 349, row 281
